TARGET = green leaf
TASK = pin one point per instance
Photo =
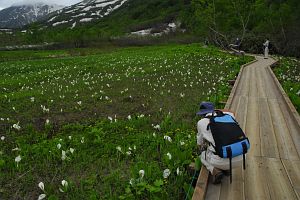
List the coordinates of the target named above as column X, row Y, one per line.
column 52, row 197
column 2, row 162
column 159, row 183
column 154, row 189
column 128, row 190
column 197, row 164
column 187, row 162
column 142, row 184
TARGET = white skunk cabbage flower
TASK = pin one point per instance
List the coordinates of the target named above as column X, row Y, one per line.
column 18, row 159
column 41, row 185
column 157, row 127
column 17, row 126
column 169, row 156
column 168, row 138
column 42, row 196
column 64, row 183
column 142, row 173
column 166, row 173
column 63, row 155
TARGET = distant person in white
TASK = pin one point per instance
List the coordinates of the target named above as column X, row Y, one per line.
column 215, row 164
column 266, row 50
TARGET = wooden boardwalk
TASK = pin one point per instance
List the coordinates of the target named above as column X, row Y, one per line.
column 273, row 163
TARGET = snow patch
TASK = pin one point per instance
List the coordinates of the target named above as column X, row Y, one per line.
column 38, row 5
column 170, row 27
column 70, row 11
column 115, row 8
column 100, row 1
column 79, row 15
column 73, row 25
column 50, row 20
column 87, row 8
column 58, row 23
column 86, row 19
column 97, row 14
column 142, row 32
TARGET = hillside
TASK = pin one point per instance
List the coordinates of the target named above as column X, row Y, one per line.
column 218, row 22
column 85, row 11
column 19, row 15
column 114, row 17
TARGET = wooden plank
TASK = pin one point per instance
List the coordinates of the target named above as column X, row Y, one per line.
column 272, row 133
column 232, row 101
column 227, row 190
column 293, row 171
column 237, row 86
column 234, row 98
column 277, row 180
column 235, row 190
column 245, row 82
column 273, row 92
column 286, row 146
column 268, row 139
column 253, row 84
column 213, row 191
column 235, row 103
column 292, row 126
column 241, row 113
column 260, row 84
column 201, row 184
column 241, row 83
column 252, row 131
column 269, row 125
column 255, row 182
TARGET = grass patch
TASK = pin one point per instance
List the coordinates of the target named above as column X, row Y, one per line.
column 96, row 121
column 288, row 74
column 102, row 161
column 26, row 55
column 147, row 80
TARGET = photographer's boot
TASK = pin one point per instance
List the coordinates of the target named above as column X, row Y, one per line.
column 217, row 176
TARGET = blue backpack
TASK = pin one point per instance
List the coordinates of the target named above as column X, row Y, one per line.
column 230, row 140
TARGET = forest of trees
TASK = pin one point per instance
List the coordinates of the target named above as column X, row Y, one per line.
column 251, row 20
column 216, row 21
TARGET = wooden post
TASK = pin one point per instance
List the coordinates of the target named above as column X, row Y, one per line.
column 201, row 185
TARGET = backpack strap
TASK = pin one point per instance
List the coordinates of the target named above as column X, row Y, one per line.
column 235, row 121
column 229, row 153
column 219, row 113
column 208, row 126
column 245, row 150
column 215, row 113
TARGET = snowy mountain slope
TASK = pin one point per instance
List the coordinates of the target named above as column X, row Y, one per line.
column 82, row 12
column 19, row 15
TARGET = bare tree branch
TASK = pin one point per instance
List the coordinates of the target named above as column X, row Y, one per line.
column 243, row 19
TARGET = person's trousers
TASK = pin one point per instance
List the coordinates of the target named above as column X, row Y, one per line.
column 266, row 52
column 211, row 161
